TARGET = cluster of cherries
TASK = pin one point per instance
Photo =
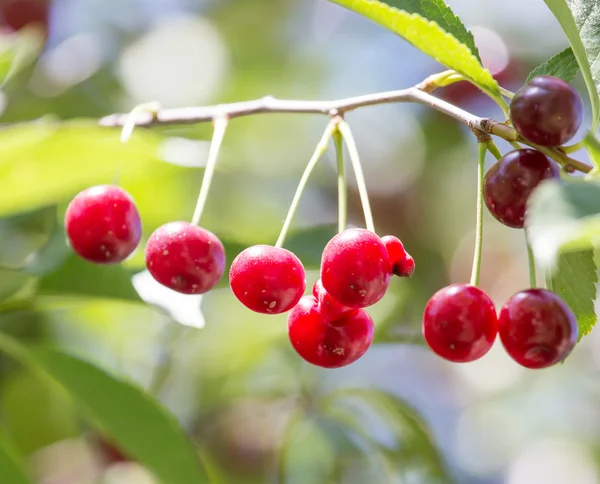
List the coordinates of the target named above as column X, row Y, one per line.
column 329, row 328
column 535, row 326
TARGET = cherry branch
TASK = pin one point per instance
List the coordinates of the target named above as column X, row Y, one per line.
column 419, row 94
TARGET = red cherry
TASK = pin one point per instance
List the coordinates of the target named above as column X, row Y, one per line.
column 330, row 308
column 403, row 265
column 508, row 184
column 460, row 323
column 355, row 268
column 103, row 224
column 16, row 14
column 185, row 257
column 537, row 328
column 267, row 279
column 330, row 345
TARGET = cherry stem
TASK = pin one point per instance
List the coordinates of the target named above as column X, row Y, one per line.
column 515, row 145
column 346, row 133
column 493, row 149
column 482, row 150
column 312, row 163
column 151, row 108
column 131, row 122
column 573, row 148
column 220, row 126
column 341, row 179
column 531, row 259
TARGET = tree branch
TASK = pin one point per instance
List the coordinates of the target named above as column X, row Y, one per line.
column 269, row 104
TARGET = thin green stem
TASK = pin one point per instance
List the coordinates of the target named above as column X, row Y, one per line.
column 507, row 93
column 358, row 173
column 312, row 163
column 213, row 153
column 531, row 259
column 572, row 148
column 515, row 145
column 341, row 180
column 493, row 149
column 482, row 150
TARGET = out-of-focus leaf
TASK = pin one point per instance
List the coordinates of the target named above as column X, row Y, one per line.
column 574, row 279
column 563, row 217
column 43, row 163
column 430, row 38
column 132, row 419
column 18, row 50
column 77, row 277
column 11, row 281
column 580, row 20
column 23, row 234
column 30, row 425
column 563, row 65
column 12, row 469
column 442, row 14
column 415, row 450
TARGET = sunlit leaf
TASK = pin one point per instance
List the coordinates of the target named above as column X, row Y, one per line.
column 430, row 38
column 580, row 20
column 439, row 12
column 574, row 279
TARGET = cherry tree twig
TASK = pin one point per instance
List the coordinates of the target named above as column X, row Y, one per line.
column 419, row 94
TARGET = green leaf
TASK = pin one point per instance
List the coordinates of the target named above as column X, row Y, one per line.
column 18, row 51
column 580, row 20
column 563, row 65
column 41, row 164
column 440, row 13
column 574, row 280
column 592, row 145
column 77, row 277
column 12, row 469
column 133, row 420
column 563, row 217
column 136, row 422
column 430, row 38
column 415, row 448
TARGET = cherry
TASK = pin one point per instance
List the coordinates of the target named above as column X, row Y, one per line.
column 460, row 323
column 328, row 344
column 185, row 257
column 330, row 308
column 103, row 224
column 547, row 111
column 403, row 265
column 537, row 328
column 17, row 14
column 509, row 183
column 355, row 268
column 267, row 279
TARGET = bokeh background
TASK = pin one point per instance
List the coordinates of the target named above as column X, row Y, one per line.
column 234, row 381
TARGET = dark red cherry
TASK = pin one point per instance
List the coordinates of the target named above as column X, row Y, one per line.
column 547, row 111
column 537, row 328
column 267, row 279
column 403, row 265
column 460, row 323
column 355, row 268
column 185, row 257
column 16, row 14
column 328, row 344
column 509, row 183
column 103, row 224
column 330, row 308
